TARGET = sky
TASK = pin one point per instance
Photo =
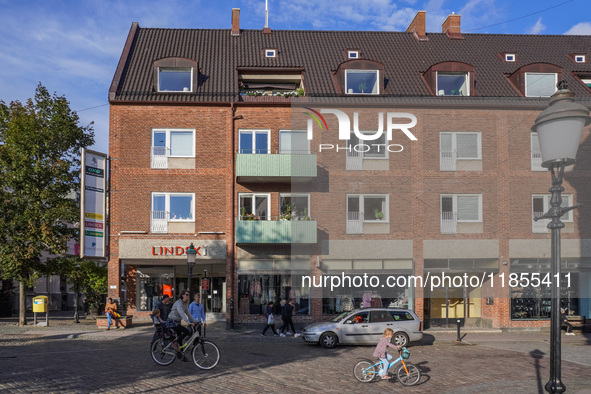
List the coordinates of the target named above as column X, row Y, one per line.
column 73, row 46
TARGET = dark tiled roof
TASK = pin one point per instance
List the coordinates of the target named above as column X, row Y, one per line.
column 320, row 52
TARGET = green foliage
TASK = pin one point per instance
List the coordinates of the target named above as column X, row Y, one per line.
column 40, row 144
column 378, row 214
column 86, row 277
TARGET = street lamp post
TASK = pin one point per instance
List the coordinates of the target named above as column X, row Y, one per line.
column 559, row 128
column 191, row 254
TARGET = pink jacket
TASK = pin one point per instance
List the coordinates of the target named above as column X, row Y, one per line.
column 383, row 344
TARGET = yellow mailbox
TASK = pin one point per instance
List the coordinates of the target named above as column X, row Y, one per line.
column 40, row 304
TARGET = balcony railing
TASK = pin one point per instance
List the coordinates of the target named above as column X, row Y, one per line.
column 354, row 222
column 354, row 160
column 447, row 160
column 541, row 226
column 449, row 223
column 159, row 157
column 276, row 165
column 159, row 222
column 276, row 231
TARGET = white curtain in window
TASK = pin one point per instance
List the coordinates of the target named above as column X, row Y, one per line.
column 291, row 142
column 467, row 145
column 540, row 85
column 446, row 142
column 468, row 208
column 181, row 143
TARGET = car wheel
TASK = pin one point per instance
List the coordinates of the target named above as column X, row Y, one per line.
column 328, row 340
column 400, row 339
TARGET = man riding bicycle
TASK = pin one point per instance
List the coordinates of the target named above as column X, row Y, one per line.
column 180, row 311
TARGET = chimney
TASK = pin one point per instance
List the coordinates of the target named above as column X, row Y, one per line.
column 417, row 26
column 451, row 26
column 235, row 21
column 266, row 29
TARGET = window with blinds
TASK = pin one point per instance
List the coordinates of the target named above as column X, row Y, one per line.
column 463, row 207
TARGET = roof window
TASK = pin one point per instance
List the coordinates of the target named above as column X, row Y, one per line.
column 580, row 58
column 175, row 75
column 509, row 57
column 353, row 54
column 362, row 82
column 270, row 52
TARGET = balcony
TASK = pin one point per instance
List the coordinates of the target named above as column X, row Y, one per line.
column 449, row 223
column 354, row 222
column 276, row 231
column 447, row 160
column 159, row 222
column 541, row 226
column 282, row 168
column 536, row 161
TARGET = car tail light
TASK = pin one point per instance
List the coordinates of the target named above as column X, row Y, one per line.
column 420, row 326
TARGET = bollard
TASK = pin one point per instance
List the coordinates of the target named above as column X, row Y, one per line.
column 458, row 324
column 231, row 313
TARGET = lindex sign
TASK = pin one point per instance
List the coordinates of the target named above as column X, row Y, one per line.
column 205, row 284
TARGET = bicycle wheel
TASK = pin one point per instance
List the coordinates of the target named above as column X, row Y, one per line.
column 365, row 371
column 206, row 354
column 412, row 377
column 162, row 352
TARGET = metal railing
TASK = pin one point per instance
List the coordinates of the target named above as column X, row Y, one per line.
column 354, row 222
column 354, row 160
column 159, row 222
column 541, row 226
column 449, row 223
column 536, row 161
column 447, row 160
column 159, row 158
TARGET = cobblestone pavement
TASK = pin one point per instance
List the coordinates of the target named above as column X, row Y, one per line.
column 82, row 359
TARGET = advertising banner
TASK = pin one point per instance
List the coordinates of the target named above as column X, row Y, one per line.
column 93, row 206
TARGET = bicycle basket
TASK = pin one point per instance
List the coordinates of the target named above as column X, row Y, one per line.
column 405, row 353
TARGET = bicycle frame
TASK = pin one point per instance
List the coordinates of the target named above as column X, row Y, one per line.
column 392, row 363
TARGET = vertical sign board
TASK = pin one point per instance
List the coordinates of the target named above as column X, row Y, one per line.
column 93, row 202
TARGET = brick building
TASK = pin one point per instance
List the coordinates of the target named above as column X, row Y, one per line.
column 228, row 139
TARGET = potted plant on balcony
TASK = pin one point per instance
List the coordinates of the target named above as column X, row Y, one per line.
column 378, row 214
column 286, row 214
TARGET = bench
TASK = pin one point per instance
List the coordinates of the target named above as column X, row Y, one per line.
column 121, row 321
column 578, row 323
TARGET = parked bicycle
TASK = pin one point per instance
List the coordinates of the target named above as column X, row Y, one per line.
column 205, row 353
column 408, row 374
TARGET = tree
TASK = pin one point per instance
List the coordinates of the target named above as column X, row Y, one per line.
column 40, row 146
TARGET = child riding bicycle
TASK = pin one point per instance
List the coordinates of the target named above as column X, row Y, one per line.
column 381, row 353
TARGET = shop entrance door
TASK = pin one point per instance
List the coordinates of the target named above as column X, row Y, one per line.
column 449, row 304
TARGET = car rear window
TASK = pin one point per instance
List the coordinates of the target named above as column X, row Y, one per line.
column 401, row 315
column 380, row 316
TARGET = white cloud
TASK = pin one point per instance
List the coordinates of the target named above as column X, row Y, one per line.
column 538, row 28
column 580, row 29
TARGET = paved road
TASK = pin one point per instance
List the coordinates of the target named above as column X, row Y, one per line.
column 72, row 359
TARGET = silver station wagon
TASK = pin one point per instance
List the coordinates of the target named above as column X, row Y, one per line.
column 365, row 326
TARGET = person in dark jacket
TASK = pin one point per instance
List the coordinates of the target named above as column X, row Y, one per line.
column 270, row 321
column 286, row 314
column 564, row 322
column 164, row 306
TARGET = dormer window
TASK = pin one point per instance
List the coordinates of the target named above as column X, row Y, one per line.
column 453, row 84
column 540, row 84
column 353, row 54
column 509, row 57
column 580, row 58
column 362, row 81
column 175, row 75
column 174, row 79
column 270, row 52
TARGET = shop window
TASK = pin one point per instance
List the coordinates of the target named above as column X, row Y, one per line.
column 254, row 142
column 175, row 79
column 540, row 84
column 151, row 284
column 452, row 84
column 362, row 81
column 254, row 206
column 255, row 291
column 456, row 208
column 294, row 206
column 171, row 143
column 294, row 142
column 457, row 146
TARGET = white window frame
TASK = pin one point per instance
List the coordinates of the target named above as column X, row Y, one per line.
column 466, row 75
column 294, row 131
column 567, row 201
column 362, row 71
column 353, row 54
column 167, row 196
column 533, row 74
column 455, row 206
column 167, row 142
column 296, row 195
column 362, row 197
column 253, row 196
column 580, row 58
column 384, row 149
column 270, row 52
column 176, row 91
column 454, row 143
column 510, row 57
column 253, row 137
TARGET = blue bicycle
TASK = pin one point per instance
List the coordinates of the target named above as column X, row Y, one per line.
column 408, row 374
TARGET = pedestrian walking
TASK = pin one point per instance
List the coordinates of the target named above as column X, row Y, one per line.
column 270, row 319
column 286, row 314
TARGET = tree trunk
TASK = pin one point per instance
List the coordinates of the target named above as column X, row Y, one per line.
column 22, row 304
column 76, row 317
